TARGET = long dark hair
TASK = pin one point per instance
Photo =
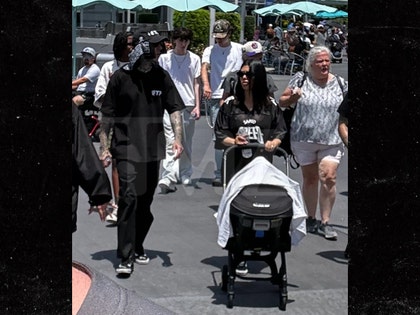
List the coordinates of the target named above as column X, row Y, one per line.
column 120, row 44
column 259, row 89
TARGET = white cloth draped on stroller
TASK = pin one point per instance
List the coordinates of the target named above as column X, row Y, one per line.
column 261, row 171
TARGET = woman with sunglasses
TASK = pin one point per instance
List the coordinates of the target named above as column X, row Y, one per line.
column 249, row 116
column 252, row 111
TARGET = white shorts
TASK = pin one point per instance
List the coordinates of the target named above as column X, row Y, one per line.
column 309, row 153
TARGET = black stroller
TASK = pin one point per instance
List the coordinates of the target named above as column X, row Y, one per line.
column 260, row 216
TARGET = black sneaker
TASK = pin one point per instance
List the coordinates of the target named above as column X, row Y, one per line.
column 328, row 231
column 126, row 267
column 165, row 189
column 217, row 182
column 311, row 225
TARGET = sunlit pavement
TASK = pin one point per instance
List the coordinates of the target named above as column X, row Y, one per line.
column 184, row 273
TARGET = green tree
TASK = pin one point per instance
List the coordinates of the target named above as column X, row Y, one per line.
column 199, row 22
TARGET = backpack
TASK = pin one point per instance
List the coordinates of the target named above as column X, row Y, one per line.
column 285, row 142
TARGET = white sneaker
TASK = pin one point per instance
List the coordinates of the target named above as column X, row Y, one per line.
column 186, row 180
column 111, row 218
column 141, row 259
column 126, row 267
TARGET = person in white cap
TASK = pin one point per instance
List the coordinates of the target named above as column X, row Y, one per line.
column 87, row 76
column 84, row 87
column 320, row 35
column 269, row 32
column 251, row 50
column 221, row 58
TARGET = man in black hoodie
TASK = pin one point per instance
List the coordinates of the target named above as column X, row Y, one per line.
column 133, row 108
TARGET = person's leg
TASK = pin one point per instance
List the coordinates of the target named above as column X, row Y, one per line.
column 145, row 189
column 115, row 182
column 127, row 206
column 329, row 157
column 310, row 187
column 327, row 193
column 185, row 162
column 283, row 63
column 112, row 217
column 306, row 156
column 170, row 166
column 218, row 154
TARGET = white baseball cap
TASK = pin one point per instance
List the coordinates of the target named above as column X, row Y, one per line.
column 89, row 50
column 252, row 48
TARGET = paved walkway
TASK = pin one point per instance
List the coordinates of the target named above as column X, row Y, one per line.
column 184, row 273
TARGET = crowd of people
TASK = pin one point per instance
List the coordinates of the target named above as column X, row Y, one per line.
column 149, row 98
column 299, row 38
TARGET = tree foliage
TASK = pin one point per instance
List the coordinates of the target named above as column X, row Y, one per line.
column 199, row 22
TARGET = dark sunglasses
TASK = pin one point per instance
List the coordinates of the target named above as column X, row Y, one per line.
column 247, row 74
column 130, row 44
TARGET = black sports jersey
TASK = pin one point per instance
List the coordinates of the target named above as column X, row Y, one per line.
column 260, row 126
column 133, row 105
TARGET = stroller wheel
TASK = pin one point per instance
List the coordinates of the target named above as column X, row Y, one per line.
column 230, row 301
column 224, row 278
column 283, row 302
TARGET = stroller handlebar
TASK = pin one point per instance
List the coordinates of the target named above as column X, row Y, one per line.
column 279, row 151
column 256, row 146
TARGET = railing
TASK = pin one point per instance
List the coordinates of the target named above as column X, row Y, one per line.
column 114, row 28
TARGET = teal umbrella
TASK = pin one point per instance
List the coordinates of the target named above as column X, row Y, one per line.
column 275, row 9
column 308, row 7
column 333, row 2
column 332, row 15
column 190, row 5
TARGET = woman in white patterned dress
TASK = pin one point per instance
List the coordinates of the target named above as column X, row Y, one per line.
column 315, row 141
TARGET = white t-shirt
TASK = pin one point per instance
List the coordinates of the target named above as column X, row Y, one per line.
column 222, row 60
column 92, row 74
column 183, row 69
column 320, row 39
column 106, row 72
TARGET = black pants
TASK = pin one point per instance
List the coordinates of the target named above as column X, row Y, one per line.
column 138, row 182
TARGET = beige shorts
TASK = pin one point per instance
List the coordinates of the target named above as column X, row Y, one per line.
column 309, row 153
